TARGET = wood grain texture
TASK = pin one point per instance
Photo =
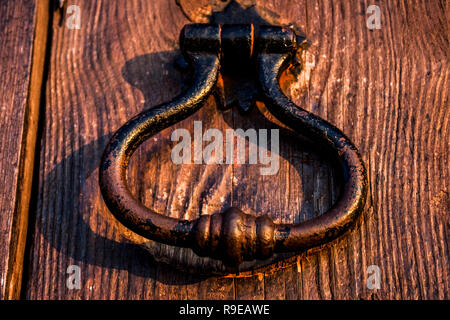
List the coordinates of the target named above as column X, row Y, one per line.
column 386, row 89
column 21, row 65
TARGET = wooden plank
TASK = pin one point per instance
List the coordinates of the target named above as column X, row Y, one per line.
column 387, row 89
column 390, row 98
column 72, row 225
column 22, row 47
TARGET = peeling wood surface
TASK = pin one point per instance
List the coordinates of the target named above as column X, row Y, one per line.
column 386, row 89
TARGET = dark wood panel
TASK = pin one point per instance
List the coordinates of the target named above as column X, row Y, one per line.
column 21, row 65
column 386, row 89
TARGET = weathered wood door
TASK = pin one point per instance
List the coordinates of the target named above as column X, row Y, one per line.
column 73, row 75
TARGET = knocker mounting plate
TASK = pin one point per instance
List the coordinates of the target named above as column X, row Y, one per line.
column 233, row 236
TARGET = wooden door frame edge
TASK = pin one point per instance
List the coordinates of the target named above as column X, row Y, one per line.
column 36, row 88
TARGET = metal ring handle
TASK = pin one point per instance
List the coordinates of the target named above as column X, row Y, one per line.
column 232, row 236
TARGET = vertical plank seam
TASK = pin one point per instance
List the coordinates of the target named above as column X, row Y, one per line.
column 30, row 138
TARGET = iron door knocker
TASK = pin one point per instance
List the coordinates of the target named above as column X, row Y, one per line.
column 233, row 236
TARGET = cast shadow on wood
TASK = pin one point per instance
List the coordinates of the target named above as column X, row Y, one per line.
column 72, row 234
column 73, row 224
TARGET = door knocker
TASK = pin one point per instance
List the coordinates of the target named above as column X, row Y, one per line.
column 233, row 236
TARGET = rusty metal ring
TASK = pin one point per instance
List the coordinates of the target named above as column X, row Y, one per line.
column 233, row 236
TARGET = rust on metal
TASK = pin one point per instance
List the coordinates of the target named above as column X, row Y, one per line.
column 233, row 236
